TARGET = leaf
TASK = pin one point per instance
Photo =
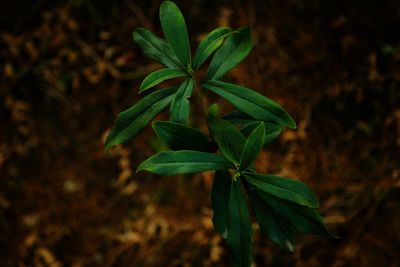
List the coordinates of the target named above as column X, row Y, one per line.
column 156, row 48
column 239, row 227
column 235, row 48
column 229, row 139
column 271, row 224
column 184, row 161
column 159, row 76
column 303, row 219
column 180, row 107
column 132, row 120
column 252, row 147
column 252, row 103
column 272, row 130
column 174, row 27
column 220, row 201
column 284, row 188
column 181, row 137
column 238, row 117
column 209, row 44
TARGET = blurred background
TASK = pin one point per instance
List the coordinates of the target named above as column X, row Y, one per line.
column 67, row 68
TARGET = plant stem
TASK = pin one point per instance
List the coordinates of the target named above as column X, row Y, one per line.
column 199, row 97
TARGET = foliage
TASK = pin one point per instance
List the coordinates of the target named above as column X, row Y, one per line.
column 282, row 206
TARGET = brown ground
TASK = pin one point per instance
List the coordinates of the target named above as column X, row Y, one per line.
column 68, row 68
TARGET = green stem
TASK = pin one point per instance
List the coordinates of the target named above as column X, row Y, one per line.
column 199, row 97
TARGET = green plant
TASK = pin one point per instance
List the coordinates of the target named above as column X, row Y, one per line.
column 282, row 206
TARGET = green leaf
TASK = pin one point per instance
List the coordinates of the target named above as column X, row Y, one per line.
column 272, row 224
column 239, row 227
column 159, row 76
column 181, row 137
column 229, row 139
column 184, row 161
column 236, row 47
column 252, row 103
column 284, row 188
column 132, row 120
column 174, row 27
column 220, row 201
column 303, row 219
column 180, row 107
column 156, row 48
column 238, row 117
column 252, row 147
column 272, row 130
column 209, row 44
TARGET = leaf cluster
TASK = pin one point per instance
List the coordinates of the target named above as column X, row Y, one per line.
column 281, row 206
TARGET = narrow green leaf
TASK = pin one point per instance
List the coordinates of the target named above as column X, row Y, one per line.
column 181, row 137
column 252, row 103
column 156, row 48
column 272, row 224
column 272, row 130
column 132, row 120
column 303, row 219
column 220, row 201
column 174, row 27
column 239, row 227
column 209, row 44
column 159, row 76
column 248, row 123
column 229, row 139
column 180, row 107
column 239, row 117
column 284, row 188
column 252, row 147
column 184, row 161
column 236, row 47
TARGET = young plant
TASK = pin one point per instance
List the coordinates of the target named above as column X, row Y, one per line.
column 281, row 206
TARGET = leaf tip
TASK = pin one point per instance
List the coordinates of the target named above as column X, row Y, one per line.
column 261, row 127
column 331, row 235
column 290, row 246
column 155, row 124
column 140, row 168
column 135, row 33
column 292, row 124
column 107, row 147
column 109, row 143
column 167, row 2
